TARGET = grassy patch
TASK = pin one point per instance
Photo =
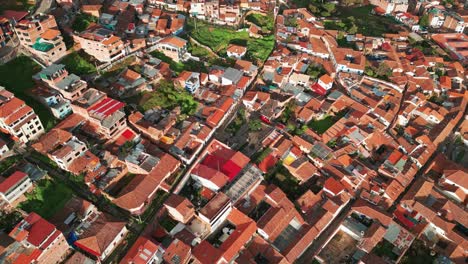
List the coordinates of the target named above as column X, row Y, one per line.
column 265, row 22
column 322, row 125
column 168, row 97
column 16, row 76
column 47, row 198
column 78, row 65
column 82, row 22
column 119, row 67
column 178, row 67
column 361, row 20
column 218, row 38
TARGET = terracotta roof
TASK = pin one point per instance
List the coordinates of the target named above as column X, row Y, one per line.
column 142, row 250
column 177, row 252
column 12, row 180
column 50, row 34
column 175, row 41
column 215, row 205
column 205, row 253
column 99, row 235
column 36, row 231
column 371, row 211
column 236, row 49
column 333, row 186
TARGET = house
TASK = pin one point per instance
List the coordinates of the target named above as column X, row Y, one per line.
column 231, row 76
column 173, row 47
column 216, row 210
column 179, row 208
column 48, row 243
column 15, row 185
column 70, row 86
column 218, row 166
column 325, row 83
column 236, row 51
column 141, row 190
column 191, row 81
column 102, row 237
column 59, row 107
column 18, row 119
column 130, row 83
column 177, row 253
column 333, row 187
column 454, row 183
column 94, row 10
column 143, row 251
column 101, row 43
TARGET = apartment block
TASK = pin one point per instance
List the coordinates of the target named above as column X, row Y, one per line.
column 101, row 44
column 18, row 119
column 41, row 37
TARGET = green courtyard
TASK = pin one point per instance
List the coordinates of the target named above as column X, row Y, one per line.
column 47, row 198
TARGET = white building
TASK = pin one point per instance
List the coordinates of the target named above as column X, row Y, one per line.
column 14, row 186
column 18, row 119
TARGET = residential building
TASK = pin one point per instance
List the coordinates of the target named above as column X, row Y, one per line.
column 102, row 237
column 18, row 119
column 173, row 47
column 41, row 37
column 37, row 233
column 101, row 43
column 144, row 251
column 14, row 186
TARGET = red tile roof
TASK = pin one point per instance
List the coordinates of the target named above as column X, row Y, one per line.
column 106, row 107
column 12, row 180
column 36, row 230
column 333, row 186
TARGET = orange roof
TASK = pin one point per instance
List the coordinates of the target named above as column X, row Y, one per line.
column 50, row 34
column 111, row 40
column 326, row 78
column 175, row 41
column 236, row 49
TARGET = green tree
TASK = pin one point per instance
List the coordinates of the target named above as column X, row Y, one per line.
column 424, row 20
column 353, row 29
column 255, row 125
column 329, row 7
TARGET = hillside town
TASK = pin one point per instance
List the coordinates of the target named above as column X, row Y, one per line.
column 240, row 131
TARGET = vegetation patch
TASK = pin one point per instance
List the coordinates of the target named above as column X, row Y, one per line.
column 17, row 78
column 266, row 22
column 218, row 39
column 361, row 20
column 179, row 67
column 82, row 22
column 75, row 63
column 8, row 220
column 167, row 96
column 322, row 125
column 47, row 198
